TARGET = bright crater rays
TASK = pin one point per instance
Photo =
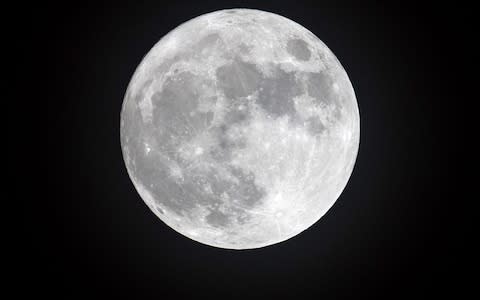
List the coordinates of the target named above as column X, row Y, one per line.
column 240, row 129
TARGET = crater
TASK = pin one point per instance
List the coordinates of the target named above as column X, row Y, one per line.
column 299, row 49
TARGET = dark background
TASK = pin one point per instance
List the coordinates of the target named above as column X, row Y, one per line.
column 386, row 236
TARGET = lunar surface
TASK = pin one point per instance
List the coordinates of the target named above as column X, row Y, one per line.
column 240, row 129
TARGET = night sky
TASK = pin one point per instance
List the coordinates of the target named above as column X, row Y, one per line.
column 384, row 237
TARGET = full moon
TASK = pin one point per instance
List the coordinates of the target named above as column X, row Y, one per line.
column 239, row 129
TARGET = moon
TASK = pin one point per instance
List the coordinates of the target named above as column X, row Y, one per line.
column 239, row 129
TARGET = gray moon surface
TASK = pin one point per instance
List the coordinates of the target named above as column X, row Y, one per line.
column 240, row 129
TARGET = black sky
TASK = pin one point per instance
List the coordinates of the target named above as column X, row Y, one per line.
column 382, row 237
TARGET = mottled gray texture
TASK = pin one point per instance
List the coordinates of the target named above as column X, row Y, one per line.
column 238, row 79
column 173, row 106
column 320, row 87
column 238, row 112
column 315, row 125
column 217, row 219
column 299, row 49
column 239, row 129
column 276, row 96
column 221, row 151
